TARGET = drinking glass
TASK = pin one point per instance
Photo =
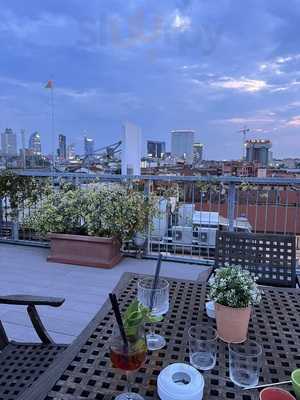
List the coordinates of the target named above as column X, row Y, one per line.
column 203, row 346
column 158, row 301
column 128, row 358
column 245, row 361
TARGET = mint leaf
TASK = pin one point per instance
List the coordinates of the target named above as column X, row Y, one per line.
column 136, row 315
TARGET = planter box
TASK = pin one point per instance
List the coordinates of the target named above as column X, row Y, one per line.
column 88, row 251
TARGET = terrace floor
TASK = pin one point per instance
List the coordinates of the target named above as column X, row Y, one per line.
column 24, row 270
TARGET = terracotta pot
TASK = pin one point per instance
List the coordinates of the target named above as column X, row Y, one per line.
column 232, row 323
column 88, row 251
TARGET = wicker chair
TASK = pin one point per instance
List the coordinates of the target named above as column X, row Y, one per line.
column 271, row 258
column 21, row 364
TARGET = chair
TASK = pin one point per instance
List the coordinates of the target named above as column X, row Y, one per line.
column 22, row 363
column 269, row 257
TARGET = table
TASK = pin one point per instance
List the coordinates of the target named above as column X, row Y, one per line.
column 85, row 371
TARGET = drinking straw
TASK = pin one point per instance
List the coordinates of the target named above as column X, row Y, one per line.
column 267, row 385
column 155, row 280
column 116, row 310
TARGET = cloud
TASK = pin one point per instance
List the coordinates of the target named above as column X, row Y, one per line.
column 180, row 22
column 284, row 60
column 45, row 29
column 294, row 104
column 169, row 64
column 294, row 122
column 242, row 84
column 246, row 120
column 271, row 67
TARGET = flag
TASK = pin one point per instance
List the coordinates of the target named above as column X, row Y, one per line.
column 49, row 85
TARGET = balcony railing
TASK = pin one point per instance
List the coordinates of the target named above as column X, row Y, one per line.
column 191, row 209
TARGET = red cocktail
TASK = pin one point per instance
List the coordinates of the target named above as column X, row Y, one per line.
column 128, row 357
column 127, row 361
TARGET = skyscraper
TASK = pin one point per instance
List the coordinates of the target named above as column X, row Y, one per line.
column 257, row 150
column 197, row 152
column 131, row 150
column 9, row 143
column 35, row 143
column 182, row 144
column 62, row 147
column 88, row 146
column 71, row 152
column 156, row 149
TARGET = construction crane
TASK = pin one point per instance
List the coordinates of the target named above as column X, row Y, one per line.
column 106, row 153
column 244, row 131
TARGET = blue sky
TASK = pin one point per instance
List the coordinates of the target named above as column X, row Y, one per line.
column 209, row 65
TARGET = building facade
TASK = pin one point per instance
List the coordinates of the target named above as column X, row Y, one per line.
column 131, row 149
column 156, row 149
column 71, row 155
column 197, row 152
column 62, row 147
column 9, row 143
column 182, row 144
column 258, row 150
column 88, row 146
column 34, row 144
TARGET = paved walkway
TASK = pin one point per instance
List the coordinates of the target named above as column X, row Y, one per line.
column 24, row 270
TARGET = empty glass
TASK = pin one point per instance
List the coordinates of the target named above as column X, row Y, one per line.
column 158, row 301
column 203, row 346
column 245, row 361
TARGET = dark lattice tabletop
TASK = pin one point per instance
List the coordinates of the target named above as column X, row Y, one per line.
column 88, row 373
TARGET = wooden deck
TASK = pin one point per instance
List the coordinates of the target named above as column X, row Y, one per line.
column 24, row 270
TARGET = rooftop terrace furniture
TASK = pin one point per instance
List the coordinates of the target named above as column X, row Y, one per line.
column 272, row 258
column 21, row 364
column 85, row 371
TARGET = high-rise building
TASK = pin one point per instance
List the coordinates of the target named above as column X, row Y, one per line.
column 257, row 150
column 131, row 149
column 9, row 143
column 71, row 155
column 88, row 146
column 35, row 143
column 182, row 144
column 156, row 149
column 62, row 147
column 197, row 152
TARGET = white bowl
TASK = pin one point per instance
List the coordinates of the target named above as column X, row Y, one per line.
column 210, row 309
column 180, row 381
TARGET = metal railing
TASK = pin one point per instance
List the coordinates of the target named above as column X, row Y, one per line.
column 191, row 210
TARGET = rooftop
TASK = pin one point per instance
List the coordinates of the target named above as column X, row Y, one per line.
column 258, row 141
column 24, row 270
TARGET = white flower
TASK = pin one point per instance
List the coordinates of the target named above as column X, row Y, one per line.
column 234, row 287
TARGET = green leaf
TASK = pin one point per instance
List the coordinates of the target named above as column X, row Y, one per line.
column 151, row 319
column 133, row 307
column 136, row 315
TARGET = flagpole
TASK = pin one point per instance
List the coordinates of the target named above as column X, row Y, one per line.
column 50, row 85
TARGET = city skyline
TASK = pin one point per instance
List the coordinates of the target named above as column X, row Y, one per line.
column 183, row 145
column 211, row 67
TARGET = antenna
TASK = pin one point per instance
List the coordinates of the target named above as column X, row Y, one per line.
column 244, row 131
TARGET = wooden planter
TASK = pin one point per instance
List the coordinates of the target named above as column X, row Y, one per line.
column 88, row 251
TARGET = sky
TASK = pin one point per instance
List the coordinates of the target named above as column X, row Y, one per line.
column 214, row 66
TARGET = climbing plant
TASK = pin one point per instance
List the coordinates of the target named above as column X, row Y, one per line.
column 20, row 190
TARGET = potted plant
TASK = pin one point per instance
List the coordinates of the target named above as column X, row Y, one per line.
column 88, row 226
column 21, row 192
column 234, row 291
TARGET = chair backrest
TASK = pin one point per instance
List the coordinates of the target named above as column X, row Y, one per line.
column 3, row 337
column 271, row 258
